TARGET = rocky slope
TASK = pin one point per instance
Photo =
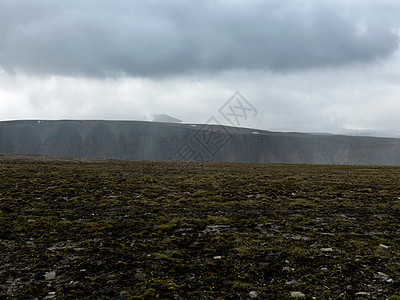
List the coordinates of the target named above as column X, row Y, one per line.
column 167, row 141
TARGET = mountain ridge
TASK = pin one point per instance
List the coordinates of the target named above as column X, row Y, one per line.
column 143, row 140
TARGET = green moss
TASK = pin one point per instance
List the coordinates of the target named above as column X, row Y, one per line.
column 149, row 294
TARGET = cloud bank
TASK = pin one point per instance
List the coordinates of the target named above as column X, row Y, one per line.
column 152, row 38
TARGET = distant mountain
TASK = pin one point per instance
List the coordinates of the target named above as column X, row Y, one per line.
column 165, row 119
column 389, row 133
column 373, row 133
column 191, row 142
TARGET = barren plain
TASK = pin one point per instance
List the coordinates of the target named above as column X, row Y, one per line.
column 113, row 229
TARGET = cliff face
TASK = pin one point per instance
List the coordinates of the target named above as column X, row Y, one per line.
column 165, row 141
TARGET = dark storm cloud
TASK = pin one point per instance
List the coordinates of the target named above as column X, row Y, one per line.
column 155, row 37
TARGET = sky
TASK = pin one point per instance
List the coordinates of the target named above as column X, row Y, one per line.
column 303, row 65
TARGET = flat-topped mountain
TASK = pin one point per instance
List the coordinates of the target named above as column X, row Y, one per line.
column 190, row 142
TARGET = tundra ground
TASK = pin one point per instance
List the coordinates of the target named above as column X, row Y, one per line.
column 101, row 229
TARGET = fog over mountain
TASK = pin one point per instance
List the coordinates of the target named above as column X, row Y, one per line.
column 190, row 142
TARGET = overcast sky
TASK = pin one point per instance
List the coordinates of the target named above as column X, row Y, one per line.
column 304, row 65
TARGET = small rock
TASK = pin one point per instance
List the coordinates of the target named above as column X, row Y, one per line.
column 297, row 295
column 253, row 294
column 382, row 246
column 51, row 295
column 324, row 269
column 326, row 249
column 217, row 257
column 50, row 275
column 382, row 276
column 123, row 294
column 292, row 282
column 287, row 269
column 362, row 294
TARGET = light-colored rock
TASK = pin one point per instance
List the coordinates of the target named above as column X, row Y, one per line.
column 253, row 294
column 217, row 257
column 362, row 294
column 51, row 295
column 50, row 275
column 292, row 282
column 382, row 276
column 297, row 295
column 382, row 246
column 326, row 249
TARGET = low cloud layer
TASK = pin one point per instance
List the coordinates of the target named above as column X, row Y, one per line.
column 152, row 38
column 337, row 100
column 305, row 65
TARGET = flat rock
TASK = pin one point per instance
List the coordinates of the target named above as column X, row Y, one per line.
column 297, row 295
column 326, row 249
column 292, row 282
column 51, row 295
column 382, row 276
column 50, row 275
column 324, row 269
column 382, row 246
column 362, row 294
column 253, row 294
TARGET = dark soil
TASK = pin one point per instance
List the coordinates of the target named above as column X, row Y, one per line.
column 86, row 229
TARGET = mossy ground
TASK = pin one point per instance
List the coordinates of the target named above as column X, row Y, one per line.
column 196, row 230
